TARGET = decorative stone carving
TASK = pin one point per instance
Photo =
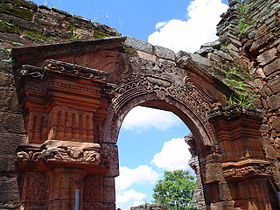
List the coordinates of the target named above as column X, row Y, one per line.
column 66, row 153
column 74, row 70
column 246, row 169
column 163, row 78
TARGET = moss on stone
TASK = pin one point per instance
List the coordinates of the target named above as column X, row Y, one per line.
column 36, row 37
column 21, row 3
column 17, row 43
column 9, row 61
column 129, row 51
column 8, row 27
column 100, row 34
column 16, row 11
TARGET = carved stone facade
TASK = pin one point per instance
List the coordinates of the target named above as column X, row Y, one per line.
column 73, row 115
column 62, row 106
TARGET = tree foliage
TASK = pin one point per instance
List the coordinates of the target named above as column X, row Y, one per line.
column 174, row 190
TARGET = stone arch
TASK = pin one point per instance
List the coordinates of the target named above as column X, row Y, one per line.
column 161, row 85
column 116, row 117
column 97, row 100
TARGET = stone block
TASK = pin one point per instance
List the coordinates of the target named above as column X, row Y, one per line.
column 272, row 67
column 163, row 52
column 276, row 124
column 7, row 163
column 8, row 99
column 274, row 101
column 260, row 43
column 9, row 193
column 14, row 123
column 16, row 10
column 270, row 152
column 109, row 189
column 9, row 143
column 267, row 56
column 223, row 55
column 138, row 45
column 274, row 84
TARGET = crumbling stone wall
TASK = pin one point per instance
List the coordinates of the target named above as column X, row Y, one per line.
column 246, row 58
column 23, row 23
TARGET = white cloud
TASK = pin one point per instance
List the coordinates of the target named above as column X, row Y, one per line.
column 174, row 155
column 141, row 175
column 141, row 118
column 129, row 198
column 128, row 177
column 189, row 35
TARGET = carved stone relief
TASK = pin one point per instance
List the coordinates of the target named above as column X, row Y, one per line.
column 142, row 77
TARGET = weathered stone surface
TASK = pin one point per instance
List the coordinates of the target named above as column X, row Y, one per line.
column 267, row 56
column 14, row 124
column 9, row 195
column 165, row 53
column 272, row 67
column 274, row 84
column 276, row 124
column 7, row 163
column 274, row 101
column 139, row 45
column 9, row 143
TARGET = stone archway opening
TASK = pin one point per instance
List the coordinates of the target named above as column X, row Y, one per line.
column 150, row 142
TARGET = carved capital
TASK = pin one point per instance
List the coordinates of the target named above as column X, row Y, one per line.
column 55, row 153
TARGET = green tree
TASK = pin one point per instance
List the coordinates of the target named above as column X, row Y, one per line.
column 174, row 190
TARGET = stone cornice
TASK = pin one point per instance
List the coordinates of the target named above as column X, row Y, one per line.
column 234, row 111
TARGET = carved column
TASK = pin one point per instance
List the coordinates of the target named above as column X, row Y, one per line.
column 246, row 174
column 61, row 102
column 198, row 194
column 64, row 184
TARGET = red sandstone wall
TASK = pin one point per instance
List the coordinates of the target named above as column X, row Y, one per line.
column 246, row 58
column 23, row 23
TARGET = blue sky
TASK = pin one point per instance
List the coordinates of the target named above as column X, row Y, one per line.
column 150, row 141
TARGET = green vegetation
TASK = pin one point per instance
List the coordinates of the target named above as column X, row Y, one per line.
column 100, row 34
column 243, row 26
column 8, row 53
column 243, row 23
column 8, row 27
column 246, row 100
column 16, row 10
column 17, row 44
column 36, row 37
column 74, row 36
column 234, row 77
column 175, row 190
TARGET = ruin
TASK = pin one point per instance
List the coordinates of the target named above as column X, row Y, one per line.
column 65, row 90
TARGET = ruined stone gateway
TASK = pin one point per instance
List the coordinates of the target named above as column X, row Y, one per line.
column 65, row 90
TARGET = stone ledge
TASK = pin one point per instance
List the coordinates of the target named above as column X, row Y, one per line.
column 234, row 111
